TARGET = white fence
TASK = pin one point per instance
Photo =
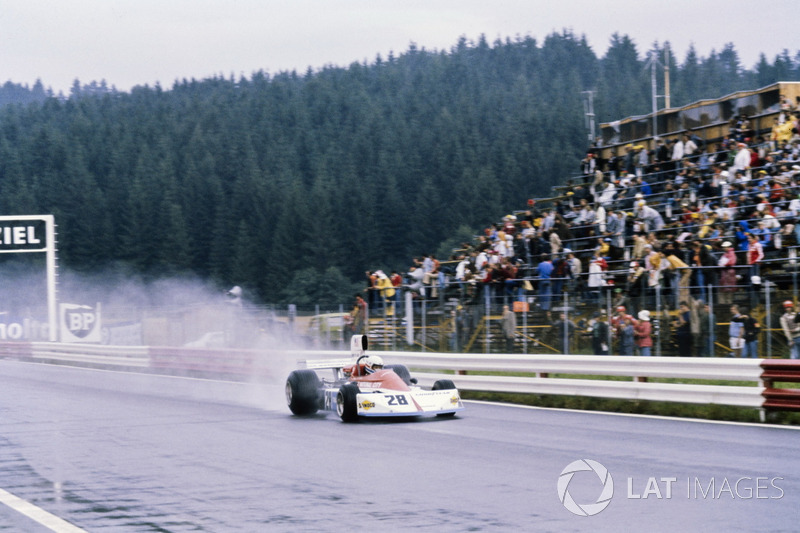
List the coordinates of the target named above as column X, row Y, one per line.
column 621, row 377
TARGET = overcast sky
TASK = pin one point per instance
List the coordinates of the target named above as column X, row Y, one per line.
column 136, row 42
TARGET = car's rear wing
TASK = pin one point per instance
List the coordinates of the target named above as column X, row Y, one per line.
column 317, row 364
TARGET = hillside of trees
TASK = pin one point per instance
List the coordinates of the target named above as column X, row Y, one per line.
column 292, row 184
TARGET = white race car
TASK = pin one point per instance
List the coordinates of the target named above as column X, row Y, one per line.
column 362, row 386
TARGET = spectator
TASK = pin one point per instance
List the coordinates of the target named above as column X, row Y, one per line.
column 564, row 330
column 684, row 332
column 545, row 271
column 642, row 160
column 677, row 153
column 699, row 326
column 555, row 243
column 736, row 331
column 755, row 254
column 509, row 328
column 751, row 331
column 642, row 333
column 635, row 284
column 560, row 275
column 416, row 275
column 386, row 291
column 359, row 314
column 700, row 260
column 652, row 219
column 596, row 280
column 598, row 330
column 617, row 320
column 574, row 268
column 791, row 328
column 626, row 336
column 689, row 146
column 742, row 160
column 680, row 274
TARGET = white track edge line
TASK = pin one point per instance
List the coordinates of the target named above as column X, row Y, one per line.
column 37, row 514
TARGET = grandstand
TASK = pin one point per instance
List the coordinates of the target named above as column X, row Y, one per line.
column 644, row 226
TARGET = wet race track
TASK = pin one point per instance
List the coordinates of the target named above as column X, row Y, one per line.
column 88, row 450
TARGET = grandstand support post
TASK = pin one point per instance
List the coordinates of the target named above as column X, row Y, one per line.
column 524, row 331
column 566, row 323
column 385, row 306
column 486, row 317
column 409, row 300
column 658, row 314
column 319, row 333
column 711, row 333
column 342, row 334
column 366, row 318
column 608, row 319
column 768, row 313
column 454, row 316
column 395, row 310
column 424, row 323
column 793, row 264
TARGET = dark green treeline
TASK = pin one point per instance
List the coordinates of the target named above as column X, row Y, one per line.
column 263, row 180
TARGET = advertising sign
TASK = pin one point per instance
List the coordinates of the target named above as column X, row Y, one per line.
column 80, row 323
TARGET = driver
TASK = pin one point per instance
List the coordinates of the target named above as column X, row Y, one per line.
column 373, row 363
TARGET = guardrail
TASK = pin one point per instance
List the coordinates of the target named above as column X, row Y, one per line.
column 640, row 369
column 477, row 372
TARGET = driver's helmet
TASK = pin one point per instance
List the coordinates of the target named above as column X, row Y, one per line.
column 373, row 363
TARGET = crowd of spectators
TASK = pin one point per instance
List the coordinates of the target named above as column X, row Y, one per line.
column 642, row 229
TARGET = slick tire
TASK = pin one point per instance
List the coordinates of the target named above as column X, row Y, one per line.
column 346, row 403
column 444, row 384
column 302, row 392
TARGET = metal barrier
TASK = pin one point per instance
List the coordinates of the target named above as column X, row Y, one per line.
column 780, row 371
column 478, row 372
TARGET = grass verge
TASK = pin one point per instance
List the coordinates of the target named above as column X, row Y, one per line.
column 682, row 410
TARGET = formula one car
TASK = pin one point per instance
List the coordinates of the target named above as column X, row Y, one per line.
column 363, row 387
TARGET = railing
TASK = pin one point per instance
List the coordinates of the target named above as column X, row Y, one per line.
column 478, row 372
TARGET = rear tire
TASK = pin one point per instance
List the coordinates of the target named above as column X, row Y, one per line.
column 346, row 402
column 444, row 384
column 302, row 392
column 402, row 371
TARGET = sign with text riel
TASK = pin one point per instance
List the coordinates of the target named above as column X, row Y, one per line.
column 80, row 323
column 22, row 235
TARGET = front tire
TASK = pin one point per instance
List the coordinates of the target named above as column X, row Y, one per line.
column 302, row 392
column 346, row 402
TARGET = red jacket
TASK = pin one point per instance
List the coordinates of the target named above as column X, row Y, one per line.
column 641, row 331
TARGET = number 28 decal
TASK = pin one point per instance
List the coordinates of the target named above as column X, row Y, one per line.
column 399, row 399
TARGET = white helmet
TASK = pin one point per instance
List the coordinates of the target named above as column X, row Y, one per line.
column 373, row 363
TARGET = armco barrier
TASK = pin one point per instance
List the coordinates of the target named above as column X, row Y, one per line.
column 637, row 368
column 233, row 363
column 776, row 371
column 479, row 372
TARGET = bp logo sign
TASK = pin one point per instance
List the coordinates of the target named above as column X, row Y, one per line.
column 566, row 478
column 80, row 323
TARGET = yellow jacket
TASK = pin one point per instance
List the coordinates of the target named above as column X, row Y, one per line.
column 385, row 286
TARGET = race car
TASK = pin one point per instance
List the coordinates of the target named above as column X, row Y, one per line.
column 363, row 387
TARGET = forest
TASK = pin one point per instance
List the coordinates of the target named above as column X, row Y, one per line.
column 293, row 184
